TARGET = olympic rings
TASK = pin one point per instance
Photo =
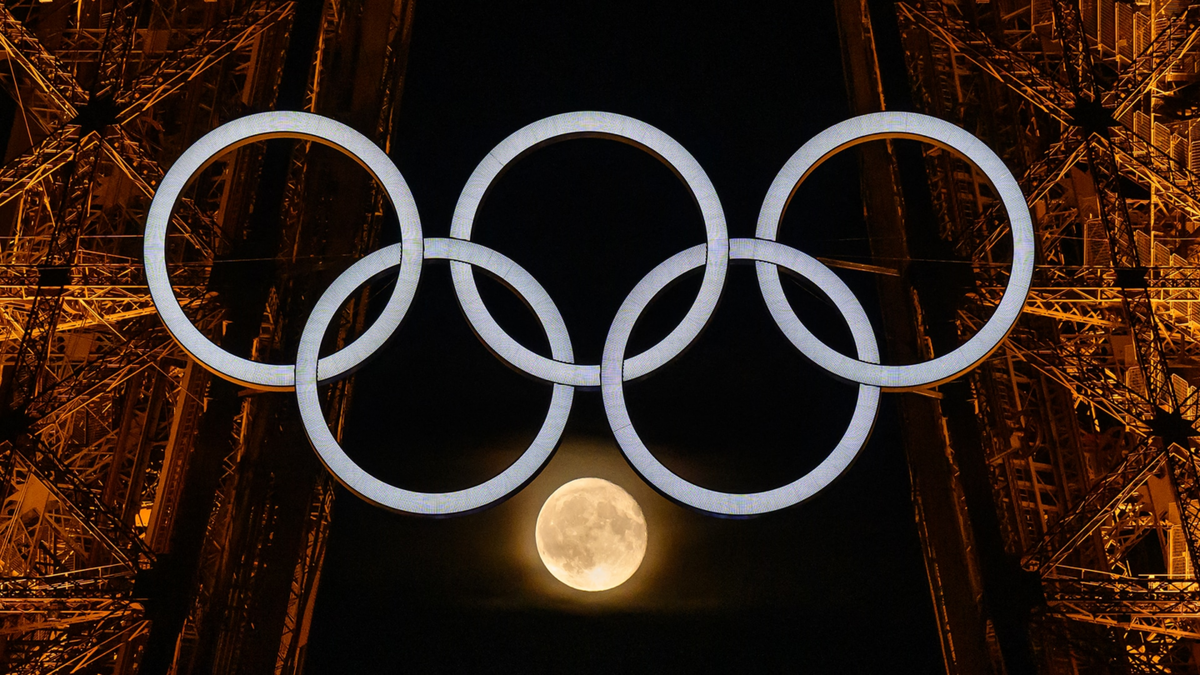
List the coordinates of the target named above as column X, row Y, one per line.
column 559, row 369
column 724, row 503
column 389, row 496
column 241, row 132
column 639, row 134
column 922, row 128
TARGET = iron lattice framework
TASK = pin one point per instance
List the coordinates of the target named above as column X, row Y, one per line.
column 1088, row 412
column 1089, row 409
column 103, row 416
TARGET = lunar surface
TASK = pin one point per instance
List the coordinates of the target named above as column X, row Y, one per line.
column 591, row 534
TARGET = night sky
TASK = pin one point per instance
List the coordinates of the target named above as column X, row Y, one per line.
column 834, row 585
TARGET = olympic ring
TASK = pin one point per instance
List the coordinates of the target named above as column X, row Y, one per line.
column 389, row 496
column 641, row 135
column 241, row 132
column 724, row 503
column 560, row 369
column 922, row 128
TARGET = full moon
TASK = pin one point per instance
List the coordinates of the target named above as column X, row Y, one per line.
column 591, row 534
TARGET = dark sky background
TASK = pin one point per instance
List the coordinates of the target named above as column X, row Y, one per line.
column 834, row 585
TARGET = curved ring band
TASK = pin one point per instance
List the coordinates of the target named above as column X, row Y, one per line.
column 638, row 134
column 887, row 125
column 241, row 132
column 643, row 461
column 559, row 368
column 370, row 488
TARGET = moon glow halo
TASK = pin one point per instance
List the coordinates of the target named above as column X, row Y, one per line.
column 591, row 534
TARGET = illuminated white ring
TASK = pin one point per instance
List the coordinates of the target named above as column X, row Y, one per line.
column 260, row 127
column 560, row 368
column 602, row 125
column 913, row 126
column 389, row 496
column 726, row 503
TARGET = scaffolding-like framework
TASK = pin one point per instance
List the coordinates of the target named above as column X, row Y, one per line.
column 122, row 463
column 1087, row 414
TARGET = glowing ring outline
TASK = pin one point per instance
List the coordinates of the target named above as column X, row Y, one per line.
column 644, row 462
column 243, row 131
column 370, row 488
column 640, row 135
column 914, row 126
column 560, row 370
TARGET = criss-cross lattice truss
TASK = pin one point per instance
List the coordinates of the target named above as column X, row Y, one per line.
column 116, row 456
column 1089, row 411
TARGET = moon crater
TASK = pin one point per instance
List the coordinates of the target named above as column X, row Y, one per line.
column 591, row 534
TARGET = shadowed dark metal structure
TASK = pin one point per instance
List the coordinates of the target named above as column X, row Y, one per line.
column 154, row 519
column 1070, row 457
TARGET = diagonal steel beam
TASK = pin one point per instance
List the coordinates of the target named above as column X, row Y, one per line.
column 43, row 159
column 1180, row 35
column 55, row 82
column 1007, row 66
column 1138, row 464
column 195, row 225
column 81, row 502
column 205, row 51
column 1125, row 596
column 1074, row 104
column 1036, row 183
column 1056, row 98
column 152, row 88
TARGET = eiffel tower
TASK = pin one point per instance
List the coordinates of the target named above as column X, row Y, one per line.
column 152, row 516
column 155, row 519
column 1057, row 487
